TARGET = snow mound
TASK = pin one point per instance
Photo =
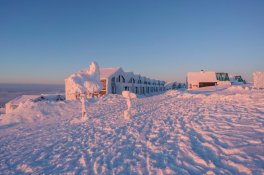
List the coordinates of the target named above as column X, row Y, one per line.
column 235, row 88
column 172, row 93
column 129, row 95
column 30, row 111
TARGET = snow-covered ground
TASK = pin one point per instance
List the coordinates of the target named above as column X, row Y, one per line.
column 178, row 132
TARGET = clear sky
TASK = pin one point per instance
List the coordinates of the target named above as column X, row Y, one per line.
column 43, row 41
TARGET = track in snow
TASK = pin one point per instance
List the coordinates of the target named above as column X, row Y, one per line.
column 177, row 133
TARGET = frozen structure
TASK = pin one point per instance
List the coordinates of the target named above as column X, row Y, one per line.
column 128, row 96
column 201, row 79
column 83, row 84
column 258, row 78
column 207, row 78
column 236, row 79
column 223, row 79
column 86, row 82
column 115, row 81
column 171, row 85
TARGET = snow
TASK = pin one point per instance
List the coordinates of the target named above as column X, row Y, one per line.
column 128, row 96
column 258, row 78
column 18, row 101
column 107, row 72
column 171, row 85
column 86, row 81
column 2, row 111
column 178, row 132
column 201, row 77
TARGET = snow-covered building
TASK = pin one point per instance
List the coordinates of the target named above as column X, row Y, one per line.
column 236, row 79
column 171, row 85
column 207, row 78
column 115, row 80
column 201, row 79
column 223, row 79
column 258, row 78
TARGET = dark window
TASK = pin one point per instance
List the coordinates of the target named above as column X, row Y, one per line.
column 132, row 80
column 205, row 84
column 120, row 79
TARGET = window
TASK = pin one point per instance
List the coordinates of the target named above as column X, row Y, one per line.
column 120, row 79
column 132, row 80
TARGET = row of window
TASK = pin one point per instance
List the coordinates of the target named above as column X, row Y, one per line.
column 121, row 79
column 143, row 90
column 222, row 77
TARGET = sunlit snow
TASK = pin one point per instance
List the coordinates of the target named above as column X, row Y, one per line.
column 178, row 132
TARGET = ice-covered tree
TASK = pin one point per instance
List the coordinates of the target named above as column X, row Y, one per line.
column 85, row 83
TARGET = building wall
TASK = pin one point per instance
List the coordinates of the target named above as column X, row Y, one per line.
column 120, row 87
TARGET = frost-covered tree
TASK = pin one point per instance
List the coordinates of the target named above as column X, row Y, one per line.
column 85, row 83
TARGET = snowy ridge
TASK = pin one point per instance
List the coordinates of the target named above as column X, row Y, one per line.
column 172, row 133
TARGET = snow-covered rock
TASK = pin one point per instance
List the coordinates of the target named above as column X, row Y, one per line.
column 18, row 101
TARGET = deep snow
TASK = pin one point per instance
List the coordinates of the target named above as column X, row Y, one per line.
column 178, row 132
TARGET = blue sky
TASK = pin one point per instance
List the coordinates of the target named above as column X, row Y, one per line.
column 44, row 41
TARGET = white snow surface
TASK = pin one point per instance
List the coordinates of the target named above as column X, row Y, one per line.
column 258, row 78
column 178, row 132
column 107, row 72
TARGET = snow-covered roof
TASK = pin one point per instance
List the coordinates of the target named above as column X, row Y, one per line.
column 170, row 84
column 201, row 76
column 129, row 75
column 107, row 72
column 137, row 76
